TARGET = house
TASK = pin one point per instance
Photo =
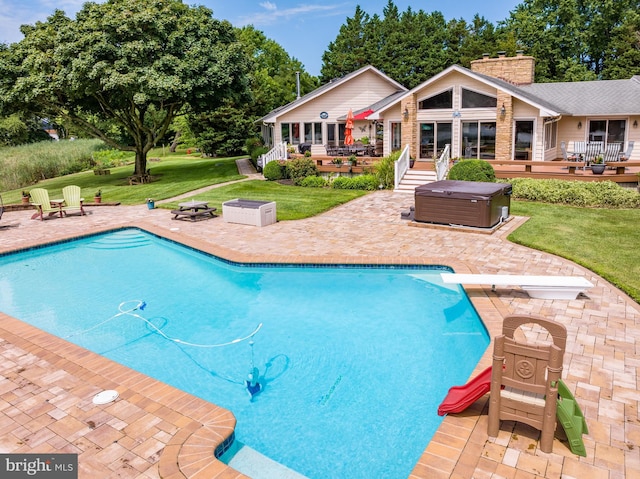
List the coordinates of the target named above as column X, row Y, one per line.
column 493, row 110
column 318, row 118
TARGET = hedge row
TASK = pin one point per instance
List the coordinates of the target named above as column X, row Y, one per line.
column 602, row 194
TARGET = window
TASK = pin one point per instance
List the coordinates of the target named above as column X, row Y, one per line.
column 523, row 140
column 609, row 131
column 479, row 139
column 472, row 99
column 437, row 102
column 290, row 133
column 396, row 136
column 331, row 134
column 313, row 133
column 317, row 133
column 433, row 138
column 550, row 135
column 332, row 130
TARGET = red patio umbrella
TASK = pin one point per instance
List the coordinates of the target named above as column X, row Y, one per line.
column 348, row 129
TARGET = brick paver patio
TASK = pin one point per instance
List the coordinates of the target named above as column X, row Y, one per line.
column 153, row 430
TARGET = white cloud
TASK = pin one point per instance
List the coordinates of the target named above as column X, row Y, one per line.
column 268, row 6
column 273, row 15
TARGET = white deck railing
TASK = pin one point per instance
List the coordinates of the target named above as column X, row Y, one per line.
column 278, row 152
column 442, row 163
column 401, row 165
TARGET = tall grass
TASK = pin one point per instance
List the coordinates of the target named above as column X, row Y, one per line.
column 25, row 165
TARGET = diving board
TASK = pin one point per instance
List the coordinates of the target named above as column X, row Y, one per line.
column 541, row 287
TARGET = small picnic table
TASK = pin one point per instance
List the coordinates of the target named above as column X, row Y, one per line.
column 193, row 210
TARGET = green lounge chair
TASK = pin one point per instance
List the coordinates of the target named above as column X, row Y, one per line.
column 40, row 199
column 72, row 199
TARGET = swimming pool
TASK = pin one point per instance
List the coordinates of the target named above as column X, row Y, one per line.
column 354, row 361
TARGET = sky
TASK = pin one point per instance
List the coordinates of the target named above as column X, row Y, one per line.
column 304, row 28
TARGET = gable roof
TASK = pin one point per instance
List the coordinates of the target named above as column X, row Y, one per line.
column 372, row 112
column 272, row 115
column 601, row 97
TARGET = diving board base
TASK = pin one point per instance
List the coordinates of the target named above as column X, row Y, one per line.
column 539, row 287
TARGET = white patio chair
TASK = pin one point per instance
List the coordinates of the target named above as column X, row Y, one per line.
column 565, row 155
column 594, row 148
column 612, row 152
column 624, row 156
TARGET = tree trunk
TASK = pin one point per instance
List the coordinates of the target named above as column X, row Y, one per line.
column 174, row 144
column 141, row 162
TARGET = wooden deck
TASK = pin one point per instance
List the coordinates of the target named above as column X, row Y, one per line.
column 560, row 170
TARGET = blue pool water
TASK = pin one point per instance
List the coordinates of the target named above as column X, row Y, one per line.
column 353, row 361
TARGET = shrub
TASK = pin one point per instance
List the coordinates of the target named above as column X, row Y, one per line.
column 362, row 182
column 252, row 144
column 313, row 182
column 111, row 158
column 256, row 152
column 274, row 170
column 299, row 168
column 472, row 170
column 384, row 170
column 27, row 164
column 604, row 194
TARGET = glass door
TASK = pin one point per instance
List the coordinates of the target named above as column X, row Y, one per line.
column 479, row 139
column 487, row 150
column 523, row 140
column 427, row 137
column 470, row 139
column 433, row 138
column 396, row 136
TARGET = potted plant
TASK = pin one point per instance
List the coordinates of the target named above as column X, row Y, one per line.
column 337, row 162
column 597, row 165
column 412, row 161
column 25, row 196
column 353, row 160
column 97, row 198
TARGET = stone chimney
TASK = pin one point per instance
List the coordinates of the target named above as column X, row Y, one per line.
column 518, row 70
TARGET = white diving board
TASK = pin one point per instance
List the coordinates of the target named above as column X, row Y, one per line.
column 542, row 287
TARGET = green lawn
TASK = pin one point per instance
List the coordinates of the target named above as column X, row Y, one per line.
column 293, row 202
column 171, row 176
column 603, row 240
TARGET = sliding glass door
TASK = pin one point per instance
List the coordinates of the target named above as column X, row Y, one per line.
column 433, row 138
column 479, row 139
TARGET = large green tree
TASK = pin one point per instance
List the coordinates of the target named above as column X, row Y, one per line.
column 573, row 41
column 273, row 83
column 124, row 69
column 351, row 49
column 409, row 46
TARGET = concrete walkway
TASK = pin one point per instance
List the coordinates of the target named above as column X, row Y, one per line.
column 154, row 430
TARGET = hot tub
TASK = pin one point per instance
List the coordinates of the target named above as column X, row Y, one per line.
column 465, row 203
column 249, row 212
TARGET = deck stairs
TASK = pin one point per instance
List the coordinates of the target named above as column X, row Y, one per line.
column 416, row 176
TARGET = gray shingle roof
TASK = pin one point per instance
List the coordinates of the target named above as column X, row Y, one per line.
column 587, row 98
column 604, row 97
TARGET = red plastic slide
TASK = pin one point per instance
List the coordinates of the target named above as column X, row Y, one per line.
column 460, row 398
